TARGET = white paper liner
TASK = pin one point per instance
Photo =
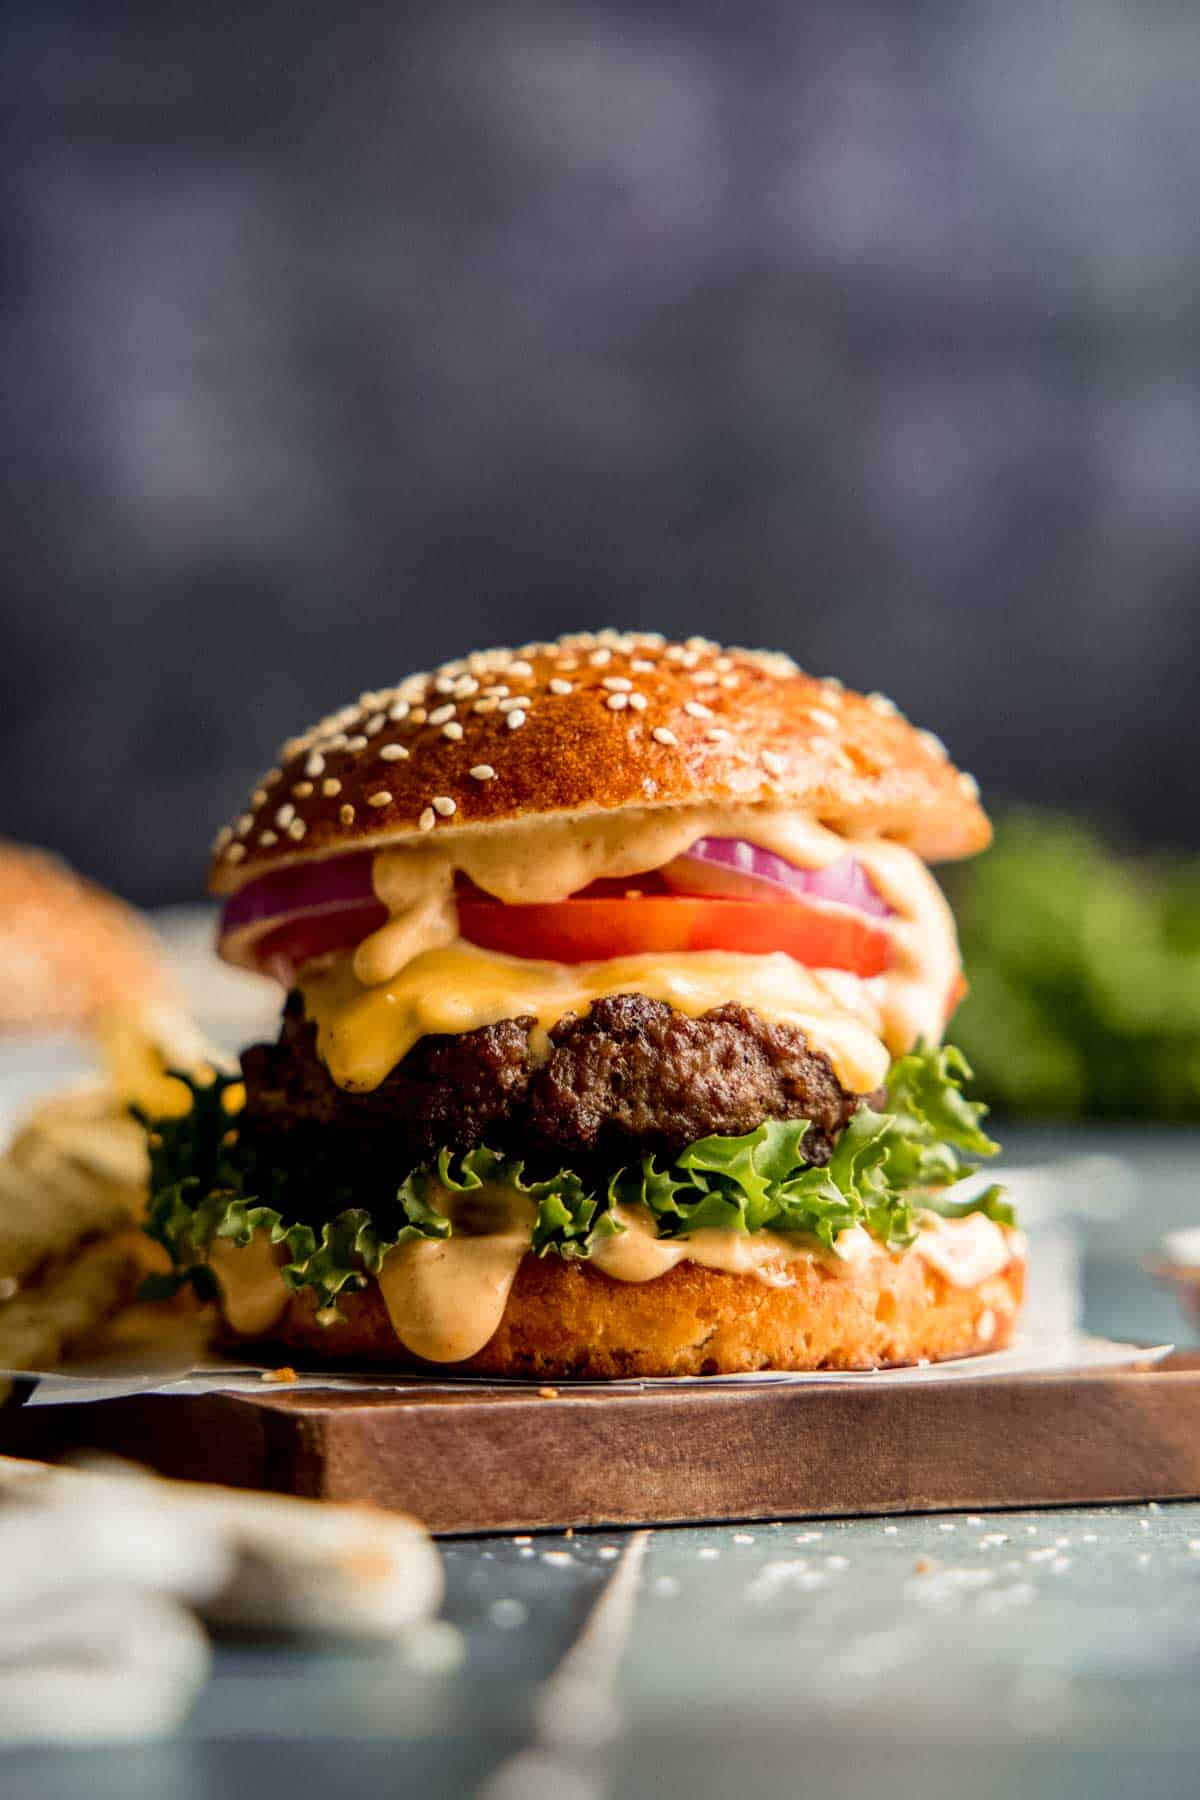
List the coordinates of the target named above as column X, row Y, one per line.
column 180, row 1370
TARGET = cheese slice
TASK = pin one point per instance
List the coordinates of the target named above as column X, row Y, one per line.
column 363, row 1032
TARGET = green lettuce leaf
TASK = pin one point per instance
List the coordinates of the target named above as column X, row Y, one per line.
column 209, row 1184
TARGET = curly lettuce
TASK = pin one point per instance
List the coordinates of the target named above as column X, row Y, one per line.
column 210, row 1184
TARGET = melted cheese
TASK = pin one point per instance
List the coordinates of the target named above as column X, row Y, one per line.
column 362, row 1033
column 413, row 976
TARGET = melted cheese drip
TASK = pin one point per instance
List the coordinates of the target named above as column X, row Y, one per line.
column 413, row 976
column 362, row 1033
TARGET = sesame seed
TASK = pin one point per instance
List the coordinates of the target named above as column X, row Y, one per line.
column 244, row 824
column 315, row 764
column 418, row 716
column 881, row 704
column 617, row 684
column 259, row 797
column 346, row 815
column 497, row 691
column 381, row 798
column 393, row 753
column 485, row 706
column 832, row 684
column 933, row 742
column 513, row 701
column 729, row 681
column 599, row 659
column 356, row 743
column 819, row 716
column 302, row 789
column 297, row 829
column 718, row 735
column 521, row 668
column 772, row 762
column 453, row 731
column 663, row 735
column 483, row 772
column 235, row 853
column 428, row 819
column 331, row 786
column 969, row 785
column 641, row 665
column 444, row 684
column 443, row 804
column 638, row 702
column 285, row 814
column 558, row 686
column 515, row 720
column 617, row 702
column 466, row 687
column 568, row 664
column 271, row 777
column 375, row 723
column 223, row 837
column 398, row 711
column 723, row 664
column 440, row 714
column 697, row 709
column 267, row 838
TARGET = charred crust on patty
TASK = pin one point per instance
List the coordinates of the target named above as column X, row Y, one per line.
column 635, row 1076
column 629, row 1078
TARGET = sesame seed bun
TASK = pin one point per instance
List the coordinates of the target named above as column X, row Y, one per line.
column 68, row 949
column 566, row 1319
column 593, row 723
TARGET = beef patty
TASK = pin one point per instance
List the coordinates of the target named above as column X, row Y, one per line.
column 630, row 1076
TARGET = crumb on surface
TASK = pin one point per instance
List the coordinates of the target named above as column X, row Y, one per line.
column 282, row 1376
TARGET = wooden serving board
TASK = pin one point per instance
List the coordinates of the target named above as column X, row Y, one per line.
column 512, row 1459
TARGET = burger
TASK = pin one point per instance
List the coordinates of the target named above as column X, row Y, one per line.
column 616, row 987
column 70, row 953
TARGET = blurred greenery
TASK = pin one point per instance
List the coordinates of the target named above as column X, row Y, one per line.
column 1084, row 967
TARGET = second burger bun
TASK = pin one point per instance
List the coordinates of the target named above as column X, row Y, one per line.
column 590, row 724
column 68, row 949
column 566, row 1319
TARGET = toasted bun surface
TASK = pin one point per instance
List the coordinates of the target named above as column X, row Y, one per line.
column 565, row 1319
column 67, row 948
column 590, row 724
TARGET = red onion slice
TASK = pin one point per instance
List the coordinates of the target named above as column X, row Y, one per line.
column 314, row 890
column 738, row 870
column 729, row 867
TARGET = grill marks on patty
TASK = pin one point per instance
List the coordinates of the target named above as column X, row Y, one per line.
column 629, row 1077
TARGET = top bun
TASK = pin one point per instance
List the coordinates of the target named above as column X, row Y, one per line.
column 68, row 949
column 595, row 722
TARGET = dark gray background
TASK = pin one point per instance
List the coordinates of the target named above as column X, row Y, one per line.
column 334, row 340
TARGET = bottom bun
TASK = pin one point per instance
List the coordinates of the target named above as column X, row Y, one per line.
column 566, row 1319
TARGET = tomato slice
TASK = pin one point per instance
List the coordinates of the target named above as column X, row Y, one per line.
column 282, row 951
column 586, row 929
